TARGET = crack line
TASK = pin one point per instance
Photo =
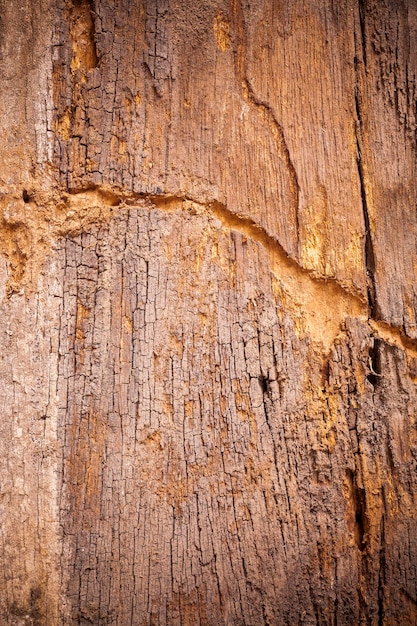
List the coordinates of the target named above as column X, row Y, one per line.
column 360, row 53
column 262, row 108
column 322, row 302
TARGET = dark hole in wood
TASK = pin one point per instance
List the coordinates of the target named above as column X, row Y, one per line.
column 359, row 495
column 263, row 381
column 374, row 375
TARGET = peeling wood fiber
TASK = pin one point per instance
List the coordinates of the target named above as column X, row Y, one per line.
column 208, row 313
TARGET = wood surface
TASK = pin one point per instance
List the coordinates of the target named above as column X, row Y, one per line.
column 208, row 312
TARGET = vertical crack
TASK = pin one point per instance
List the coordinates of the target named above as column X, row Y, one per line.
column 156, row 56
column 375, row 367
column 369, row 246
column 357, row 520
column 362, row 28
column 381, row 576
column 360, row 52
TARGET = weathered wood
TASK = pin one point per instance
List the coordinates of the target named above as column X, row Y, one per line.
column 209, row 349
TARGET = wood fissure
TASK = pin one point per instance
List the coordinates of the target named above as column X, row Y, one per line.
column 360, row 65
column 263, row 109
column 362, row 28
column 156, row 56
column 77, row 210
column 381, row 575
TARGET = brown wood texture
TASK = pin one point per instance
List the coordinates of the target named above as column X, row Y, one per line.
column 208, row 313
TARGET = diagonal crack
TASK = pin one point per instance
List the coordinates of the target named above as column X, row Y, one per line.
column 262, row 108
column 38, row 220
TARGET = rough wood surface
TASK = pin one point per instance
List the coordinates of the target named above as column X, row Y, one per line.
column 208, row 313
